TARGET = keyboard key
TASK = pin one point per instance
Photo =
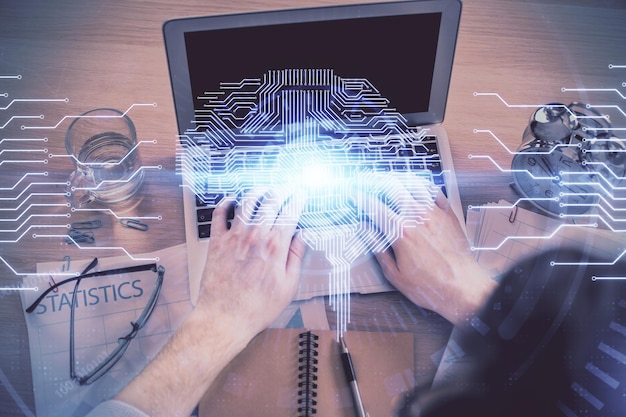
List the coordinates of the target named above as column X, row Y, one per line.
column 230, row 214
column 406, row 153
column 208, row 199
column 434, row 166
column 205, row 215
column 438, row 178
column 204, row 231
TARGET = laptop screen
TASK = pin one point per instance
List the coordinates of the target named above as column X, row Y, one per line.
column 404, row 49
column 374, row 48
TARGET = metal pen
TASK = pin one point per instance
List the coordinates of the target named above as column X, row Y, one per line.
column 348, row 369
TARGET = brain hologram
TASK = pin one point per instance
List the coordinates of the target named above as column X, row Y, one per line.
column 332, row 137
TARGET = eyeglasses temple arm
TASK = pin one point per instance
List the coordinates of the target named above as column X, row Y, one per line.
column 43, row 295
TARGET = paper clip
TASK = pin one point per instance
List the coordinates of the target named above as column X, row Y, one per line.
column 134, row 224
column 66, row 264
column 77, row 236
column 89, row 224
column 513, row 215
column 53, row 284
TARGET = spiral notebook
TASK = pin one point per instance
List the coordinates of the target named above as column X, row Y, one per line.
column 292, row 372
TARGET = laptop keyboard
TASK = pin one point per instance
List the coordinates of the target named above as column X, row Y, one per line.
column 421, row 158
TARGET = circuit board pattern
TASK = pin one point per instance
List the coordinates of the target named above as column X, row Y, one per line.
column 308, row 129
column 602, row 152
column 335, row 140
column 33, row 192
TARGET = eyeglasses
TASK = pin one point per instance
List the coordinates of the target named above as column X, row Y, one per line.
column 123, row 342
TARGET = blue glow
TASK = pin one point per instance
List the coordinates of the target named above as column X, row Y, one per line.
column 306, row 129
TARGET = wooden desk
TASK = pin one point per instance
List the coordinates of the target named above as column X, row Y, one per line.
column 111, row 54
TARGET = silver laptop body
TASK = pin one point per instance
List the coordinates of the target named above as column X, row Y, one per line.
column 350, row 90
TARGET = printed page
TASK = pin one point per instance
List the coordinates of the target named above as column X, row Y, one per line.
column 104, row 308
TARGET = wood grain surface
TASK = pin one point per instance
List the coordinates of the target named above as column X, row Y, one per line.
column 111, row 54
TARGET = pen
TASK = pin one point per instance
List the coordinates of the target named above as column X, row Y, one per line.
column 348, row 368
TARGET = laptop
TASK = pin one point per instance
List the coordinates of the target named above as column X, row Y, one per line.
column 341, row 91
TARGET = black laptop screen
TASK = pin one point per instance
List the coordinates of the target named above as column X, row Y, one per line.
column 395, row 53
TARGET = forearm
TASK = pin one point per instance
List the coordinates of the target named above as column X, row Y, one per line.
column 469, row 291
column 173, row 383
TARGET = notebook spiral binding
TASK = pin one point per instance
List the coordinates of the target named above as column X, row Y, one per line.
column 307, row 374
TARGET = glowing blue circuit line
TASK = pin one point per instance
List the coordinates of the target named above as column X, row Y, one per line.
column 28, row 186
column 595, row 194
column 34, row 194
column 33, row 205
column 38, row 274
column 470, row 156
column 510, row 170
column 577, row 116
column 597, row 278
column 511, row 206
column 91, row 117
column 35, row 100
column 26, row 221
column 543, row 237
column 19, row 289
column 103, row 182
column 20, row 117
column 476, row 94
column 119, row 217
column 23, row 150
column 601, row 186
column 497, row 139
column 45, row 174
column 606, row 106
column 602, row 219
column 96, row 164
column 38, row 226
column 613, row 66
column 25, row 161
column 11, row 77
column 591, row 263
column 24, row 140
column 119, row 248
column 11, row 268
column 595, row 90
column 558, row 145
column 613, row 174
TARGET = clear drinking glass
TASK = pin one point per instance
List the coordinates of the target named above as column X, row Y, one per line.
column 103, row 145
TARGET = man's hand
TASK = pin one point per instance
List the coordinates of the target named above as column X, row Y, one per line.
column 253, row 267
column 430, row 263
column 251, row 275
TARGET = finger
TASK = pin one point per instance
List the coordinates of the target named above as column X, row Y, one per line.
column 441, row 201
column 247, row 208
column 373, row 239
column 269, row 208
column 295, row 256
column 287, row 220
column 379, row 214
column 220, row 216
column 398, row 197
column 421, row 189
column 387, row 261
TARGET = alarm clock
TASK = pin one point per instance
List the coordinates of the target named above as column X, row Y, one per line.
column 549, row 168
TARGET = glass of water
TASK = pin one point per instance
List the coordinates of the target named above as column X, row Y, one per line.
column 103, row 146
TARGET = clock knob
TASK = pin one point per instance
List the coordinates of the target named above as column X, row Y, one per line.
column 553, row 122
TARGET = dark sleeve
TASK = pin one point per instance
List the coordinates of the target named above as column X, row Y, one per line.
column 551, row 341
